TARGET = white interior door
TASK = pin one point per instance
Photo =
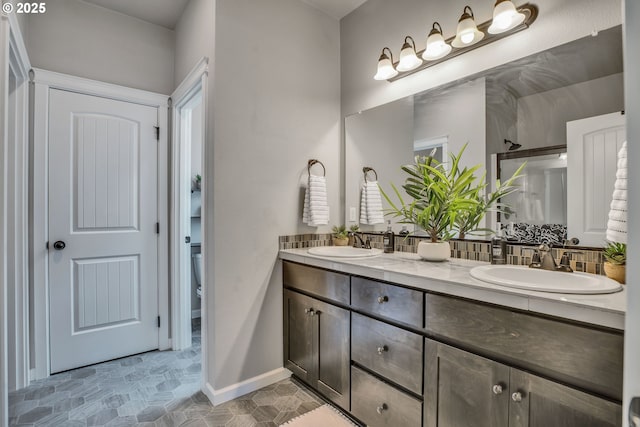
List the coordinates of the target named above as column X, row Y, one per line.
column 592, row 150
column 103, row 246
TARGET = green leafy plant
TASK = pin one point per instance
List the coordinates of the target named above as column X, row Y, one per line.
column 615, row 253
column 354, row 228
column 446, row 200
column 340, row 232
column 198, row 178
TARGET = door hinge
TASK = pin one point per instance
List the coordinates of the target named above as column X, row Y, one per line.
column 158, row 321
column 46, row 245
column 157, row 228
column 157, row 133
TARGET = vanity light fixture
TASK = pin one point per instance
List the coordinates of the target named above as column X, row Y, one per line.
column 505, row 17
column 386, row 70
column 408, row 58
column 436, row 46
column 467, row 33
column 507, row 20
column 513, row 146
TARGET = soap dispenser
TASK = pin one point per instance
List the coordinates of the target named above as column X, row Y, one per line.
column 388, row 239
column 498, row 253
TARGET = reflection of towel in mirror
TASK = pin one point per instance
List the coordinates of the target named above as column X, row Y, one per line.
column 617, row 224
column 371, row 204
column 316, row 207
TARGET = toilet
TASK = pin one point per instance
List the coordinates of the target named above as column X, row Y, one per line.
column 197, row 267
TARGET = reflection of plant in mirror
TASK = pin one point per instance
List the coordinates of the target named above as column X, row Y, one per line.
column 354, row 228
column 615, row 253
column 446, row 201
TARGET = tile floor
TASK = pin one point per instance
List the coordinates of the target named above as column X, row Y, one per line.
column 159, row 389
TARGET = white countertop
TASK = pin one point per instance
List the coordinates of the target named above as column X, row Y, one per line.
column 452, row 277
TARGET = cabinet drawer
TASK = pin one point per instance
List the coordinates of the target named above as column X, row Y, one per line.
column 315, row 281
column 390, row 301
column 380, row 405
column 392, row 352
column 575, row 354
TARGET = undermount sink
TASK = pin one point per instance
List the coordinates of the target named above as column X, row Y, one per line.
column 344, row 252
column 533, row 279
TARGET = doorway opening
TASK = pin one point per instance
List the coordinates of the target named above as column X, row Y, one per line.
column 188, row 217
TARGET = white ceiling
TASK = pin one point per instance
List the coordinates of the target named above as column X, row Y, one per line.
column 160, row 12
column 336, row 8
column 166, row 13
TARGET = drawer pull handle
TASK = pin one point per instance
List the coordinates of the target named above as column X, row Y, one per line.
column 383, row 299
column 497, row 389
column 382, row 349
column 516, row 397
column 381, row 408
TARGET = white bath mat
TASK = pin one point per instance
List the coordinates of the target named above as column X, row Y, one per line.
column 324, row 416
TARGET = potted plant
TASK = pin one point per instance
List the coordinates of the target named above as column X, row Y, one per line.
column 340, row 235
column 446, row 200
column 615, row 255
column 197, row 182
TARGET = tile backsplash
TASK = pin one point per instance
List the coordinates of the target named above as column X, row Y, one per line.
column 586, row 260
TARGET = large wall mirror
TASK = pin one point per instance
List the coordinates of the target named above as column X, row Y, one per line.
column 559, row 110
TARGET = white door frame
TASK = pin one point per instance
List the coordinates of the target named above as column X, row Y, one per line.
column 195, row 83
column 43, row 81
column 14, row 173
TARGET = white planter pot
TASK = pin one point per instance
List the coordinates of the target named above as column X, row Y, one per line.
column 439, row 251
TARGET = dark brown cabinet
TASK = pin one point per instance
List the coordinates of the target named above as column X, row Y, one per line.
column 316, row 345
column 461, row 387
column 464, row 389
column 537, row 402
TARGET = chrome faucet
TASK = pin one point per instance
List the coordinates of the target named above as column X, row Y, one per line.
column 543, row 259
column 358, row 242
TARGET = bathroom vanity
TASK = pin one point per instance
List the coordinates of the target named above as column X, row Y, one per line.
column 396, row 341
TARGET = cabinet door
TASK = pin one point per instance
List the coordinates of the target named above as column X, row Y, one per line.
column 462, row 389
column 300, row 336
column 334, row 337
column 536, row 402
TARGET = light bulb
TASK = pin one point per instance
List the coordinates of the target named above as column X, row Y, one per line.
column 505, row 17
column 467, row 37
column 386, row 69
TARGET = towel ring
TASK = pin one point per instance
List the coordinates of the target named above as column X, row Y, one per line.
column 366, row 170
column 313, row 162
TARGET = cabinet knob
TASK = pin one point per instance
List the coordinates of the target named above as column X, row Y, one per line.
column 382, row 349
column 516, row 397
column 381, row 408
column 383, row 299
column 497, row 389
column 309, row 311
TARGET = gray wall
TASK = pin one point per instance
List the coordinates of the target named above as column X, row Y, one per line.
column 543, row 117
column 380, row 23
column 275, row 90
column 77, row 38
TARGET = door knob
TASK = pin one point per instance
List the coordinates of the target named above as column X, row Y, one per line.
column 382, row 349
column 59, row 245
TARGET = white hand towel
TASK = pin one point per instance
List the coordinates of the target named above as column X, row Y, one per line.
column 371, row 204
column 316, row 207
column 617, row 224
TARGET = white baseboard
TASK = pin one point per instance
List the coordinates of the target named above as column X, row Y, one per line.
column 195, row 314
column 240, row 389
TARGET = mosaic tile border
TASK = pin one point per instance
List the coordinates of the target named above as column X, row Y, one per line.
column 582, row 259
